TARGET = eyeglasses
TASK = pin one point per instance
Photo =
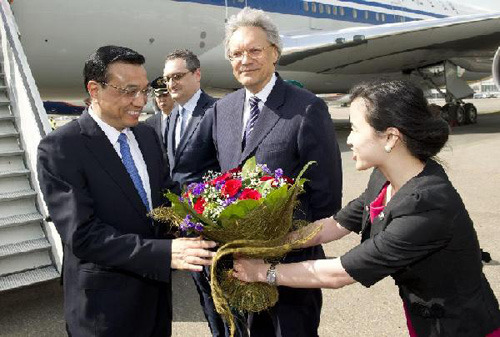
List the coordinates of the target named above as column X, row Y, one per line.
column 176, row 77
column 254, row 53
column 130, row 93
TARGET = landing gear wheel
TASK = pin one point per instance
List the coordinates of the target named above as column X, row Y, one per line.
column 448, row 112
column 460, row 115
column 470, row 113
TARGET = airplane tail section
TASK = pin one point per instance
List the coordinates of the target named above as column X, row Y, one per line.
column 29, row 246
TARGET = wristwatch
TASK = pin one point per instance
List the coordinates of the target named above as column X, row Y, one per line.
column 271, row 275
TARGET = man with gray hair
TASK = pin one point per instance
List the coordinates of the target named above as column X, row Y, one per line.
column 285, row 127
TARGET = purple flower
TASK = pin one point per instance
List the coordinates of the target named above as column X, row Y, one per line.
column 219, row 184
column 198, row 227
column 228, row 202
column 278, row 173
column 187, row 224
column 265, row 169
column 181, row 199
column 198, row 189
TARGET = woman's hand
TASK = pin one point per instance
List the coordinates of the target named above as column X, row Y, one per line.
column 250, row 270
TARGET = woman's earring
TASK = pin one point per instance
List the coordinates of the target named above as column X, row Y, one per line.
column 388, row 148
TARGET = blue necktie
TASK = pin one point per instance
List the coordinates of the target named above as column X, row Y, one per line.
column 128, row 161
column 254, row 115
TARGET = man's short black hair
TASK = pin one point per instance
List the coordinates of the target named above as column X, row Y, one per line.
column 96, row 67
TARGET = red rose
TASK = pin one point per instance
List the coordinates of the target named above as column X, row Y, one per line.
column 221, row 178
column 235, row 170
column 231, row 187
column 288, row 180
column 266, row 178
column 199, row 205
column 249, row 193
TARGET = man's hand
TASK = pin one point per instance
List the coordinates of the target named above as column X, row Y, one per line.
column 191, row 253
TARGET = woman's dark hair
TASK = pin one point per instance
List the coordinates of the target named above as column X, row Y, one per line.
column 402, row 105
column 96, row 67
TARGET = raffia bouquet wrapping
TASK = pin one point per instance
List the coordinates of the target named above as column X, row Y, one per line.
column 248, row 211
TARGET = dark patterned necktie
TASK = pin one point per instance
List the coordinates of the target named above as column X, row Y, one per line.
column 254, row 115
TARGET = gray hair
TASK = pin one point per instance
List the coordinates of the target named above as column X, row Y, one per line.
column 192, row 61
column 249, row 17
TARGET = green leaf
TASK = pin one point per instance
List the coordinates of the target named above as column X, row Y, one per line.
column 275, row 196
column 238, row 210
column 183, row 208
column 249, row 166
column 304, row 169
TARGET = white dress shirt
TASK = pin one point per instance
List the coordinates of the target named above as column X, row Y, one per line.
column 112, row 134
column 189, row 107
column 164, row 122
column 262, row 95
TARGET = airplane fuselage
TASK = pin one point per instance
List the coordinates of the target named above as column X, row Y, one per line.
column 58, row 35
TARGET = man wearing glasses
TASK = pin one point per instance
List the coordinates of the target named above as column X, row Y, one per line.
column 100, row 175
column 190, row 149
column 285, row 127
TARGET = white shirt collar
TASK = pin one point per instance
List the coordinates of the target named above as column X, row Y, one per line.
column 264, row 93
column 191, row 104
column 108, row 130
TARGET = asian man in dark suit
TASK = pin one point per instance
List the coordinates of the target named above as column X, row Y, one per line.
column 162, row 106
column 285, row 127
column 190, row 149
column 100, row 175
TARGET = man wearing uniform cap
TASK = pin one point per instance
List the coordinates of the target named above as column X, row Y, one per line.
column 162, row 105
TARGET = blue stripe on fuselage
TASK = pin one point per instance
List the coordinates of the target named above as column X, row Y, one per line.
column 298, row 7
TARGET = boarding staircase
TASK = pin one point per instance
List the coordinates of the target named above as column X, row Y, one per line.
column 26, row 245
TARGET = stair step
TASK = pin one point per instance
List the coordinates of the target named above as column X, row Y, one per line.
column 28, row 277
column 24, row 247
column 20, row 219
column 14, row 173
column 17, row 195
column 9, row 134
column 7, row 118
column 11, row 153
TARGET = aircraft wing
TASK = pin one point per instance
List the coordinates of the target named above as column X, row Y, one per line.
column 468, row 41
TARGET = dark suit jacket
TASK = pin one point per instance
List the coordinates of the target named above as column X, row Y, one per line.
column 426, row 241
column 195, row 154
column 116, row 268
column 293, row 128
column 155, row 122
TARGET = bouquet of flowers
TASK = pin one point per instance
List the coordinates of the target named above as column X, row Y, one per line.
column 248, row 211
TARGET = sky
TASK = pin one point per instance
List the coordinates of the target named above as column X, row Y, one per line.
column 491, row 4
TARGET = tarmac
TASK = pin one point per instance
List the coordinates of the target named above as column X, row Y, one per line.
column 471, row 158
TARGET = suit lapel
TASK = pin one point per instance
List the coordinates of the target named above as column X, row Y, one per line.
column 268, row 118
column 198, row 114
column 232, row 119
column 171, row 137
column 99, row 145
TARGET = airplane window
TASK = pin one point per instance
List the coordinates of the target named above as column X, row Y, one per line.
column 306, row 6
column 334, row 10
column 328, row 10
column 367, row 15
column 342, row 11
column 321, row 9
column 354, row 13
column 383, row 17
column 377, row 17
column 313, row 7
